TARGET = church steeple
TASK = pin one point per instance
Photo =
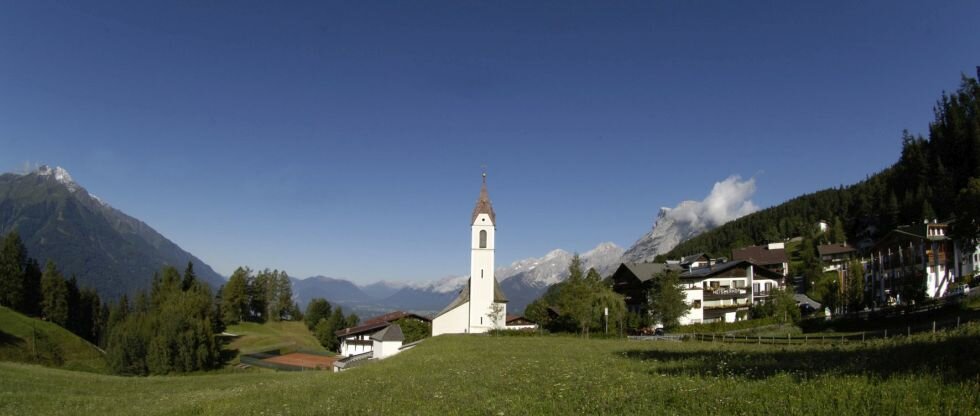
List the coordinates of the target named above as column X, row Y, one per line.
column 483, row 205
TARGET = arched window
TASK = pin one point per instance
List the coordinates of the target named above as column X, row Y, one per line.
column 483, row 238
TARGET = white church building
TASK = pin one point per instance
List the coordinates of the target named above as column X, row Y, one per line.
column 481, row 304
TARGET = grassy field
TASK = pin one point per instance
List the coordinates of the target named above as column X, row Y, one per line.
column 286, row 336
column 928, row 374
column 28, row 340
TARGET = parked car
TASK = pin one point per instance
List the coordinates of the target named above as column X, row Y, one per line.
column 658, row 331
column 958, row 290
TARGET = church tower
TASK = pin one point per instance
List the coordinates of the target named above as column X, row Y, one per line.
column 480, row 305
column 482, row 280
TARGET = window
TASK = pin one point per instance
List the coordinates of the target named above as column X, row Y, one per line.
column 739, row 283
column 696, row 304
column 483, row 238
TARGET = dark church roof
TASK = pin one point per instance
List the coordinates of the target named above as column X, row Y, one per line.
column 483, row 205
column 464, row 296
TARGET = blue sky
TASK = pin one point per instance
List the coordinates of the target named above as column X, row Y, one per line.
column 346, row 139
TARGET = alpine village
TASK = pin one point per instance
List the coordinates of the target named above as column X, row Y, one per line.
column 860, row 298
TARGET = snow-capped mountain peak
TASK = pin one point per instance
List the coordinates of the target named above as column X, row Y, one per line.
column 59, row 174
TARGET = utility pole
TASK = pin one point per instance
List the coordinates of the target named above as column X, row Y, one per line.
column 606, row 314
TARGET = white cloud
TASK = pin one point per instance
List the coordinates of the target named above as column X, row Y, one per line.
column 728, row 200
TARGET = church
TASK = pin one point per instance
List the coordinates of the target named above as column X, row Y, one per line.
column 481, row 304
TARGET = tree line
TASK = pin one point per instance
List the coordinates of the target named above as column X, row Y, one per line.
column 26, row 288
column 258, row 297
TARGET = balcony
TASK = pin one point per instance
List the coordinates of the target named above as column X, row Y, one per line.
column 726, row 304
column 725, row 293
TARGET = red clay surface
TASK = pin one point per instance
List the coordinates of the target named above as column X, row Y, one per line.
column 299, row 359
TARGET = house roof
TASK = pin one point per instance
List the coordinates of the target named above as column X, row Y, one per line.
column 831, row 249
column 464, row 296
column 512, row 318
column 391, row 332
column 692, row 258
column 381, row 321
column 483, row 205
column 717, row 269
column 646, row 271
column 760, row 255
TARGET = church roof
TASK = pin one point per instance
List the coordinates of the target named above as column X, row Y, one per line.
column 483, row 205
column 464, row 296
column 391, row 332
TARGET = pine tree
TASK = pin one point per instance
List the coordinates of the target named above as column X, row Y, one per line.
column 235, row 303
column 13, row 259
column 317, row 309
column 189, row 276
column 667, row 299
column 837, row 233
column 32, row 288
column 54, row 288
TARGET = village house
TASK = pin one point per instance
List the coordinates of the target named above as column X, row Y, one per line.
column 634, row 281
column 835, row 257
column 726, row 291
column 357, row 340
column 715, row 291
column 771, row 256
column 916, row 252
column 519, row 322
column 384, row 343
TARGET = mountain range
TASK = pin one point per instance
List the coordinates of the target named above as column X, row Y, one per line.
column 86, row 237
column 117, row 254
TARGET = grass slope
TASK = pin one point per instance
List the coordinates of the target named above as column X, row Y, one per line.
column 286, row 336
column 934, row 374
column 24, row 339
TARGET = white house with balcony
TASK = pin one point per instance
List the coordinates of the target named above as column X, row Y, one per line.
column 721, row 291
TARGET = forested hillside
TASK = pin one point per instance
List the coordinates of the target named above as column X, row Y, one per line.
column 930, row 180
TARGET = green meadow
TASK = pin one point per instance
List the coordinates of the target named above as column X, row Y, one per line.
column 30, row 340
column 930, row 374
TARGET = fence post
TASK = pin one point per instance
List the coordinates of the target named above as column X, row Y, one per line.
column 886, row 334
column 957, row 321
column 805, row 338
column 760, row 339
column 862, row 336
column 933, row 327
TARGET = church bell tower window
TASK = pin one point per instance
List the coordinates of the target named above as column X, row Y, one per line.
column 483, row 238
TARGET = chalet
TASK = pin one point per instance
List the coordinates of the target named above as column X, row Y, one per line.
column 835, row 256
column 722, row 292
column 772, row 256
column 520, row 322
column 357, row 340
column 909, row 253
column 695, row 261
column 634, row 281
column 385, row 343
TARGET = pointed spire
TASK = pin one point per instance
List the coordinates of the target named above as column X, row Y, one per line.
column 483, row 205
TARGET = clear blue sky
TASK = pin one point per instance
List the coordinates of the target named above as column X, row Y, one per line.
column 346, row 139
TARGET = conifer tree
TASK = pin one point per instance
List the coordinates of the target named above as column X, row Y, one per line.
column 234, row 297
column 667, row 299
column 13, row 259
column 54, row 306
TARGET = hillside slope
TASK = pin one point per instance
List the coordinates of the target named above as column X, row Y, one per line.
column 28, row 340
column 104, row 248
